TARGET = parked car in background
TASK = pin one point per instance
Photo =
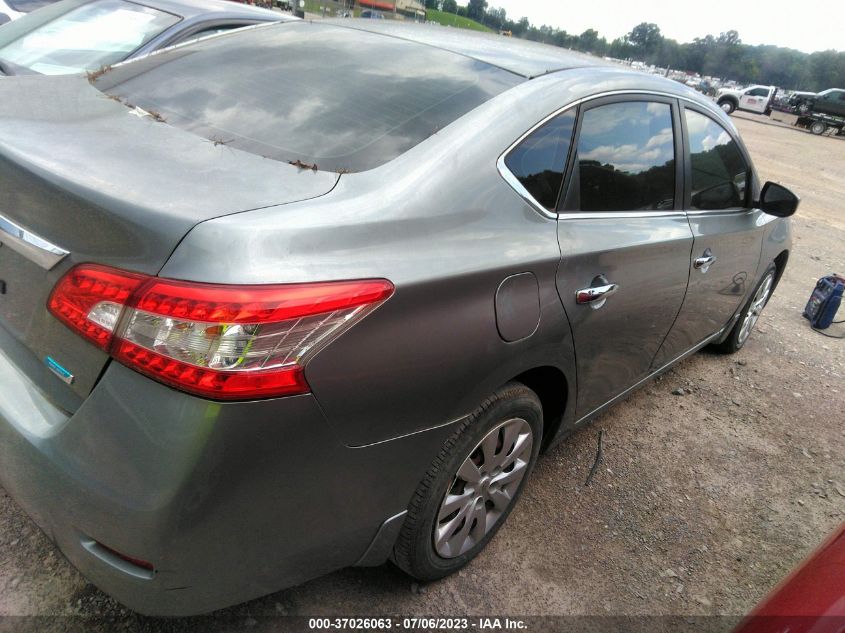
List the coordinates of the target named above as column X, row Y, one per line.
column 269, row 313
column 830, row 101
column 752, row 99
column 73, row 36
column 372, row 14
column 809, row 599
column 13, row 9
column 791, row 100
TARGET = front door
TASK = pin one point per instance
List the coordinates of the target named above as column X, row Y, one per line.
column 832, row 103
column 625, row 242
column 755, row 99
column 728, row 239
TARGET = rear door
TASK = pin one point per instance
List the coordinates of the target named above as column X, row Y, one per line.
column 726, row 227
column 625, row 241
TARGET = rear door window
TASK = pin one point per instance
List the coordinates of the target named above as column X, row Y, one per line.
column 626, row 157
column 719, row 173
column 538, row 162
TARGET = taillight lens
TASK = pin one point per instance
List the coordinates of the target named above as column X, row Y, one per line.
column 221, row 342
column 90, row 298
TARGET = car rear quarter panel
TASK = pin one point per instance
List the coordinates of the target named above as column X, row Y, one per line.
column 441, row 223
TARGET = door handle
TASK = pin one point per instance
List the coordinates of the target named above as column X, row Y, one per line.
column 704, row 262
column 596, row 296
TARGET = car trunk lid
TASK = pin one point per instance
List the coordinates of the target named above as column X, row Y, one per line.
column 84, row 174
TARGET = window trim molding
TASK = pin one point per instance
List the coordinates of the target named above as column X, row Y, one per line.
column 514, row 183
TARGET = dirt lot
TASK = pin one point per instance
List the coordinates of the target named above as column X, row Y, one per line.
column 702, row 503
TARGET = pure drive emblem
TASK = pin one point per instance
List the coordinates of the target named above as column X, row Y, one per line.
column 60, row 371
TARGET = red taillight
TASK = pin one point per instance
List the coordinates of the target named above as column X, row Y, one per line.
column 222, row 342
column 89, row 299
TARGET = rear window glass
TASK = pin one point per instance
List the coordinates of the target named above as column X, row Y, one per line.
column 539, row 160
column 626, row 157
column 338, row 98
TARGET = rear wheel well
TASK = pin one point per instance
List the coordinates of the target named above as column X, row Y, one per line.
column 550, row 385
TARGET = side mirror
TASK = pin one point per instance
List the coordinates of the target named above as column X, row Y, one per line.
column 777, row 200
column 4, row 18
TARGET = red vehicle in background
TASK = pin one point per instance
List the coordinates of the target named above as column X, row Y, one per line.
column 810, row 600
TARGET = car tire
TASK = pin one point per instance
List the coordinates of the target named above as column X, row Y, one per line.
column 818, row 128
column 727, row 105
column 443, row 530
column 750, row 313
column 803, row 107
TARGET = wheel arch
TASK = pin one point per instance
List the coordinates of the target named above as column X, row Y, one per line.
column 780, row 264
column 552, row 388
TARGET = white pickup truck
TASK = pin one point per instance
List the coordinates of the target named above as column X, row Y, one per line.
column 754, row 99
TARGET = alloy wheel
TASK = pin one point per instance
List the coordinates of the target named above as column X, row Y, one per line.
column 761, row 297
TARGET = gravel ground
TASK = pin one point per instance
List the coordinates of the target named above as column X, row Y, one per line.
column 703, row 501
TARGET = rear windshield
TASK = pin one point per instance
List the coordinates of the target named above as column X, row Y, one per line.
column 338, row 98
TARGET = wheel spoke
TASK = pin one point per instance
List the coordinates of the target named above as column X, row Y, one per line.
column 488, row 449
column 500, row 499
column 481, row 523
column 454, row 502
column 510, row 436
column 459, row 541
column 446, row 533
column 469, row 472
column 523, row 444
column 515, row 474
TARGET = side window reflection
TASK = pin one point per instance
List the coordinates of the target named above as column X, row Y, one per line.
column 626, row 157
column 539, row 160
column 719, row 172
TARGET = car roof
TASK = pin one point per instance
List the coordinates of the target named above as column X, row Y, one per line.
column 189, row 9
column 521, row 57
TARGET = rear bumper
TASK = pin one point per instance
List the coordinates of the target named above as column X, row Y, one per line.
column 228, row 501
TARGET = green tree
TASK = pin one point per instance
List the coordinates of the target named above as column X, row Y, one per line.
column 521, row 27
column 723, row 56
column 496, row 19
column 450, row 6
column 646, row 38
column 621, row 48
column 476, row 9
column 588, row 40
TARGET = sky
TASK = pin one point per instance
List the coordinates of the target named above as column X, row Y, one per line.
column 807, row 27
